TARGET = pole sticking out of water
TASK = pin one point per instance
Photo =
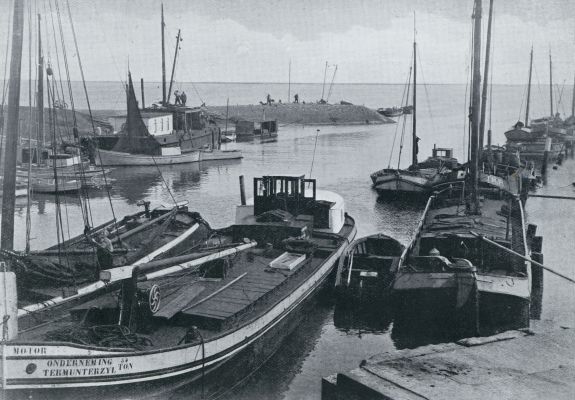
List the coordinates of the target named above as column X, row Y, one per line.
column 313, row 157
column 289, row 83
column 242, row 191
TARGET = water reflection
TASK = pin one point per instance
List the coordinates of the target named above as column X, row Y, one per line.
column 366, row 318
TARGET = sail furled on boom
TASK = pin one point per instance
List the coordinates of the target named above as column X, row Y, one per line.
column 136, row 138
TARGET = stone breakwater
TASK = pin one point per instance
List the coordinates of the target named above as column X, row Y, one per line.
column 301, row 114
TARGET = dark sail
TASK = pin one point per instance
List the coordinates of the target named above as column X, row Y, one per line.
column 135, row 137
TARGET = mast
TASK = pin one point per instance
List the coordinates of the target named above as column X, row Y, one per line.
column 485, row 80
column 331, row 84
column 551, row 83
column 40, row 97
column 164, row 98
column 178, row 39
column 414, row 146
column 142, row 90
column 475, row 109
column 573, row 99
column 289, row 82
column 11, row 132
column 529, row 89
column 324, row 75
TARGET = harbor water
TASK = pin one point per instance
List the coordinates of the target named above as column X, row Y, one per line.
column 341, row 158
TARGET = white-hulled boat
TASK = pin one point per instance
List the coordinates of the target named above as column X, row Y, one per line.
column 116, row 158
column 235, row 299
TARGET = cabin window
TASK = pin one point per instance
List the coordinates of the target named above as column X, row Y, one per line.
column 155, row 125
column 162, row 125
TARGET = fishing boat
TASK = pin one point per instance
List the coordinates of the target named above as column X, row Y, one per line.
column 235, row 298
column 391, row 112
column 469, row 263
column 419, row 178
column 137, row 238
column 249, row 130
column 367, row 268
column 163, row 134
column 544, row 136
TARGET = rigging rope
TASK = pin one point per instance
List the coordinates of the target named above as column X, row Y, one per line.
column 90, row 112
column 426, row 92
column 4, row 80
column 403, row 99
column 84, row 200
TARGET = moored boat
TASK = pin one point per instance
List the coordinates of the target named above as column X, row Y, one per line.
column 419, row 178
column 468, row 265
column 241, row 289
column 392, row 112
column 162, row 134
column 367, row 268
column 137, row 238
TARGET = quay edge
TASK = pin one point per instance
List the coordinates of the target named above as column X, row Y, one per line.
column 505, row 366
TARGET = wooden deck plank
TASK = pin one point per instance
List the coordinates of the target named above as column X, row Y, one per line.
column 179, row 302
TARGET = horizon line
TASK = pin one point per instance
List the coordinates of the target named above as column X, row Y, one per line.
column 286, row 83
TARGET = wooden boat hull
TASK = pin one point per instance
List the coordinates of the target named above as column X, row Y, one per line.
column 56, row 365
column 366, row 269
column 215, row 155
column 402, row 182
column 49, row 186
column 536, row 150
column 522, row 135
column 114, row 158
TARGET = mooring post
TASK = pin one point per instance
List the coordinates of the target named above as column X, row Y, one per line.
column 546, row 155
column 242, row 191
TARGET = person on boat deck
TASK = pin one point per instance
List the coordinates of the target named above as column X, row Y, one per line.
column 296, row 98
column 269, row 99
column 178, row 100
column 105, row 242
column 183, row 98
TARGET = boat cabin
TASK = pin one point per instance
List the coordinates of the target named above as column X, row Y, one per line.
column 442, row 152
column 292, row 200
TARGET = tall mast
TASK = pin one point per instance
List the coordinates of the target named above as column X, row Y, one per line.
column 485, row 80
column 164, row 98
column 414, row 145
column 529, row 89
column 178, row 39
column 323, row 86
column 573, row 98
column 475, row 110
column 551, row 83
column 289, row 82
column 11, row 132
column 331, row 84
column 40, row 96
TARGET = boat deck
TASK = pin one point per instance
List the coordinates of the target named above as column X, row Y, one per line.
column 453, row 220
column 216, row 296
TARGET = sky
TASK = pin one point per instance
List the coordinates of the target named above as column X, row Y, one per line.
column 254, row 40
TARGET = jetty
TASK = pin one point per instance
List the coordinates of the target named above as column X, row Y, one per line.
column 302, row 114
column 512, row 365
